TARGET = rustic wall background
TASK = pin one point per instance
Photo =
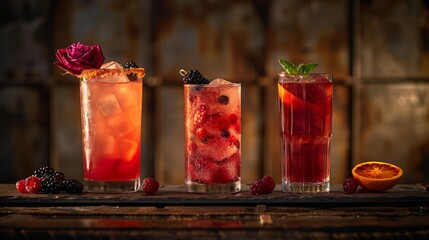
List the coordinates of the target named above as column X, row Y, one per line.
column 378, row 51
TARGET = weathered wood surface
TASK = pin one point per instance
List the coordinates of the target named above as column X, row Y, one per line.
column 401, row 213
column 176, row 195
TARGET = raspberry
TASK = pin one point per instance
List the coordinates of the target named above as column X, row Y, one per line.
column 150, row 186
column 20, row 186
column 32, row 184
column 268, row 183
column 257, row 187
column 72, row 186
column 193, row 77
column 350, row 185
column 201, row 132
column 232, row 118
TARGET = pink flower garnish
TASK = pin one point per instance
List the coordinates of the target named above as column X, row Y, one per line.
column 78, row 56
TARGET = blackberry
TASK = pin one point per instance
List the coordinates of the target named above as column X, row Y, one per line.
column 72, row 186
column 50, row 184
column 223, row 99
column 131, row 76
column 129, row 65
column 193, row 77
column 44, row 172
column 224, row 133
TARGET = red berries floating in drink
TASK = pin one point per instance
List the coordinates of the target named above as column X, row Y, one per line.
column 47, row 180
column 265, row 185
column 150, row 186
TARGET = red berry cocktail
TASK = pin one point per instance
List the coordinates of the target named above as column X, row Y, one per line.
column 212, row 136
column 305, row 102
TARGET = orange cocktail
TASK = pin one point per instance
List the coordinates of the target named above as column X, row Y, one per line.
column 111, row 106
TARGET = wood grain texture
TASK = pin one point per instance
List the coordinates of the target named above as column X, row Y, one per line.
column 400, row 213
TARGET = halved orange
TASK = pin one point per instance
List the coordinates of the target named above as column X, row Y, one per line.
column 377, row 176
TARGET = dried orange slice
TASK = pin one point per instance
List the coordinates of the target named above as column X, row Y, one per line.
column 377, row 176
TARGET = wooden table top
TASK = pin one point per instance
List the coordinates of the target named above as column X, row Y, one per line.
column 171, row 213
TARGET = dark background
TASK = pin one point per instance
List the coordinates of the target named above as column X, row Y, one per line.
column 378, row 51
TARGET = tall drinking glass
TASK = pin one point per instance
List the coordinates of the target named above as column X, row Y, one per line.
column 111, row 106
column 305, row 103
column 212, row 137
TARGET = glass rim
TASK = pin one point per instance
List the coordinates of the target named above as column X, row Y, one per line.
column 303, row 75
column 212, row 85
column 96, row 73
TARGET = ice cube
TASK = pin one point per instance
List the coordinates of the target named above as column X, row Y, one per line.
column 127, row 149
column 112, row 65
column 127, row 96
column 135, row 115
column 120, row 125
column 219, row 81
column 108, row 105
column 104, row 146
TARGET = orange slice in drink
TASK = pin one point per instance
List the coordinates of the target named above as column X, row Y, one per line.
column 377, row 176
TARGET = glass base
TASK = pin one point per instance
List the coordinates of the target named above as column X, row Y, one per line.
column 306, row 187
column 195, row 187
column 96, row 186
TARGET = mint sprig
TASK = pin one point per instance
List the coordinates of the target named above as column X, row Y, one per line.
column 291, row 68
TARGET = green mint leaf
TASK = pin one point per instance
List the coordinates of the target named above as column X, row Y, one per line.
column 307, row 68
column 289, row 67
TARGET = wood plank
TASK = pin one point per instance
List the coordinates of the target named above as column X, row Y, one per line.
column 175, row 195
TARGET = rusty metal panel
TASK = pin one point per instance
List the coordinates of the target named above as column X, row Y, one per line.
column 220, row 38
column 67, row 143
column 394, row 38
column 24, row 40
column 309, row 31
column 24, row 127
column 395, row 127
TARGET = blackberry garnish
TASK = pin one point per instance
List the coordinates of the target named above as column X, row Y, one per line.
column 72, row 186
column 50, row 184
column 44, row 172
column 193, row 77
column 131, row 76
column 223, row 99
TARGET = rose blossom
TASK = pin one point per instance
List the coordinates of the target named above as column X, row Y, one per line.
column 78, row 56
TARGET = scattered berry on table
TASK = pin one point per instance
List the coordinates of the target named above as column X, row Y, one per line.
column 44, row 172
column 150, row 185
column 350, row 185
column 193, row 77
column 268, row 183
column 20, row 186
column 47, row 180
column 32, row 184
column 131, row 76
column 50, row 184
column 72, row 186
column 257, row 187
